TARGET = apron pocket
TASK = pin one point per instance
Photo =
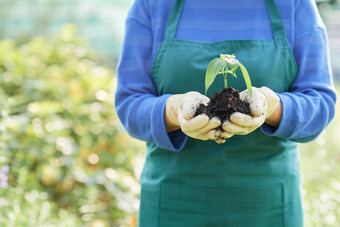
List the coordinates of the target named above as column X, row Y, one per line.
column 182, row 205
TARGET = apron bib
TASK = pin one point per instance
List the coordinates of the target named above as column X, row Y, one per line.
column 251, row 180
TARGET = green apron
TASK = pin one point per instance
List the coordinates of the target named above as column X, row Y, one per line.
column 251, row 180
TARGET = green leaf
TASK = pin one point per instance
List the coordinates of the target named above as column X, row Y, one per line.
column 246, row 78
column 214, row 68
column 232, row 72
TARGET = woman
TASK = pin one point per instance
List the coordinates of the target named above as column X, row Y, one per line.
column 253, row 179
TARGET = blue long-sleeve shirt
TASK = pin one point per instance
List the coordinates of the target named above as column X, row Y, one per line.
column 307, row 108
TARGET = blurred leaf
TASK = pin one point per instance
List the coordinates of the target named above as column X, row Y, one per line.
column 214, row 68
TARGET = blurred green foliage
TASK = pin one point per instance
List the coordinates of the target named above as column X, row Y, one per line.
column 100, row 22
column 70, row 161
column 320, row 173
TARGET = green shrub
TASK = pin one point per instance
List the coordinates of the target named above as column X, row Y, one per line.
column 61, row 138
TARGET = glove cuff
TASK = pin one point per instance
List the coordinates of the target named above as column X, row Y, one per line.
column 272, row 99
column 171, row 109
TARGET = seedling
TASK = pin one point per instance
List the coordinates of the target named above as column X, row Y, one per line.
column 223, row 65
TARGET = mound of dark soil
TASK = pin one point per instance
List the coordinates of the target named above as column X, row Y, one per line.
column 223, row 104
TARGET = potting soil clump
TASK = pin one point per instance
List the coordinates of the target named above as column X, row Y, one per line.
column 223, row 104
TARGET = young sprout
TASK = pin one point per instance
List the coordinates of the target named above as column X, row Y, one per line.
column 225, row 64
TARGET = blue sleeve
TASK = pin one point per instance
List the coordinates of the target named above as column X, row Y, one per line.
column 137, row 104
column 310, row 104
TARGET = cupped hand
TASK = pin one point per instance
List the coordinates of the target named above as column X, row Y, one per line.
column 243, row 124
column 180, row 111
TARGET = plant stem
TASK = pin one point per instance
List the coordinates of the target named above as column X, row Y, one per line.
column 225, row 80
column 225, row 74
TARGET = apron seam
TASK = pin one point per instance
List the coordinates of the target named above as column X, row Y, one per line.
column 159, row 204
column 283, row 204
column 157, row 63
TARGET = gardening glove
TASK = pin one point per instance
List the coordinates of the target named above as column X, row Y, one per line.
column 180, row 111
column 262, row 105
column 223, row 137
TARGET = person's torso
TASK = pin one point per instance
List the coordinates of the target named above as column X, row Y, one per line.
column 250, row 179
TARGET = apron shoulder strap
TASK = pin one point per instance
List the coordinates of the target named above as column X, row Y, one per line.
column 173, row 20
column 275, row 20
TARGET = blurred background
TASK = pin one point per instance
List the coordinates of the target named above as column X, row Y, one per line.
column 65, row 160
